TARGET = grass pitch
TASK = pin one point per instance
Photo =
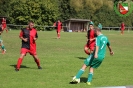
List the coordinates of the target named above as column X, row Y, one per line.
column 62, row 58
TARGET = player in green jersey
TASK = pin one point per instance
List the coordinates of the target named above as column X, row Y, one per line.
column 95, row 59
column 100, row 26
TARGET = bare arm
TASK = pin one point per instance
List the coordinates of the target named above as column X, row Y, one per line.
column 24, row 39
column 110, row 50
column 96, row 52
column 35, row 39
column 92, row 39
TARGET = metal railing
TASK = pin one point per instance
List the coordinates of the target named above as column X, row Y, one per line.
column 119, row 28
column 44, row 27
column 21, row 26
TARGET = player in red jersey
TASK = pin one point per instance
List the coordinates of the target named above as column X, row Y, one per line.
column 89, row 47
column 4, row 26
column 1, row 41
column 58, row 26
column 122, row 28
column 28, row 36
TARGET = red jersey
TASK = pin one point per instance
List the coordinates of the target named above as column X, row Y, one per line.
column 58, row 25
column 30, row 34
column 122, row 26
column 4, row 23
column 91, row 35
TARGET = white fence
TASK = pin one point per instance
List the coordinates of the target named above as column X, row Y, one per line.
column 118, row 28
column 65, row 27
column 21, row 26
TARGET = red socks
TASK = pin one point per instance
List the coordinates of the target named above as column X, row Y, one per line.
column 6, row 31
column 19, row 63
column 37, row 62
column 58, row 35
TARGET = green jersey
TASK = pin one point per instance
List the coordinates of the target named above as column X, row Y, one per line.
column 100, row 26
column 101, row 42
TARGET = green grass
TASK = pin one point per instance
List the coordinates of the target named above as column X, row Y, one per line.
column 62, row 58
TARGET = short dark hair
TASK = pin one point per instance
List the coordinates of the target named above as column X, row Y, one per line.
column 91, row 24
column 30, row 21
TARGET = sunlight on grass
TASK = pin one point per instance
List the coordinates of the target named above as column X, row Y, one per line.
column 62, row 58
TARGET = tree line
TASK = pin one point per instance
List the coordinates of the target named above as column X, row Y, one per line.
column 46, row 12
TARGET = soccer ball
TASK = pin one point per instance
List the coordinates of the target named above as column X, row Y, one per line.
column 76, row 80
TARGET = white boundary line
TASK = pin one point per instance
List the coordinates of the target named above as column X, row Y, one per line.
column 116, row 87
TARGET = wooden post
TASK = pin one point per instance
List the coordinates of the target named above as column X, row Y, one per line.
column 69, row 23
column 87, row 26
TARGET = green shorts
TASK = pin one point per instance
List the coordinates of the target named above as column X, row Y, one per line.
column 93, row 62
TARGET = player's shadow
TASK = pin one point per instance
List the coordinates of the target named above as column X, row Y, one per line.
column 82, row 58
column 83, row 79
column 54, row 38
column 22, row 66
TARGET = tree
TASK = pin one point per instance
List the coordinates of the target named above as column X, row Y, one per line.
column 46, row 12
column 65, row 10
column 4, row 7
column 42, row 12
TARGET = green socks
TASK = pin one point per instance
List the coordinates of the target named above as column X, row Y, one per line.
column 90, row 75
column 80, row 72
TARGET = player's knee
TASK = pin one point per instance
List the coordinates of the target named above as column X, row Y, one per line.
column 85, row 48
column 22, row 56
column 91, row 51
column 91, row 69
column 35, row 56
column 84, row 67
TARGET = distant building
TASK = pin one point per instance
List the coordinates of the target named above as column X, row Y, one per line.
column 76, row 25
